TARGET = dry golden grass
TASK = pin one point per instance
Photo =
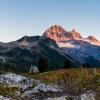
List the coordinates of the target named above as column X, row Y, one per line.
column 73, row 80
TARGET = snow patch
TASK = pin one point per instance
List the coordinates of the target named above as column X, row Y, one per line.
column 68, row 45
column 24, row 43
column 91, row 42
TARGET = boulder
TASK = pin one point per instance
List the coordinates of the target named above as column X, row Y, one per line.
column 34, row 69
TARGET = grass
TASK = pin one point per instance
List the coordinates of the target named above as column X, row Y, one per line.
column 54, row 76
column 8, row 91
column 73, row 81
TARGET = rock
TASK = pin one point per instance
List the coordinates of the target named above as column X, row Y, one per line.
column 29, row 93
column 21, row 82
column 34, row 69
column 18, row 93
column 43, row 87
column 30, row 88
column 87, row 96
column 11, row 78
column 5, row 98
column 60, row 98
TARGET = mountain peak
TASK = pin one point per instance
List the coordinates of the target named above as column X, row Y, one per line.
column 56, row 26
column 23, row 38
column 58, row 33
column 73, row 30
column 55, row 32
column 92, row 38
column 75, row 34
column 55, row 29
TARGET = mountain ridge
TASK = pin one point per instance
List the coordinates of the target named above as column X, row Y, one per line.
column 57, row 33
column 58, row 46
column 73, row 44
column 20, row 55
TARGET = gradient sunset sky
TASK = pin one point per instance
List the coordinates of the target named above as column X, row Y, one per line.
column 33, row 17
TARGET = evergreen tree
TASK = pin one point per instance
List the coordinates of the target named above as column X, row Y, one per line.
column 43, row 64
column 67, row 64
column 87, row 65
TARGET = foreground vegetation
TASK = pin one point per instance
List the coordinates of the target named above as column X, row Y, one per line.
column 9, row 92
column 72, row 81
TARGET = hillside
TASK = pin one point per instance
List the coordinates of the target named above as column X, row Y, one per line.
column 20, row 55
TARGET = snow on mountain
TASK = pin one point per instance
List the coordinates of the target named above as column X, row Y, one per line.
column 73, row 44
column 91, row 41
column 60, row 35
column 24, row 43
column 68, row 45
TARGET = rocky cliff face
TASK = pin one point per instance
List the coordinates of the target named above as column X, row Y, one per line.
column 73, row 44
column 59, row 34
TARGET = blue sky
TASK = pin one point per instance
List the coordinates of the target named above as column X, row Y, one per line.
column 33, row 17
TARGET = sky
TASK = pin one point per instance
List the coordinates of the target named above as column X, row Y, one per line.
column 32, row 17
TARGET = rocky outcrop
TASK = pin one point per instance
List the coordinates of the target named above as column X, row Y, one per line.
column 34, row 69
column 5, row 98
column 59, row 34
column 30, row 89
column 86, row 96
column 92, row 38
